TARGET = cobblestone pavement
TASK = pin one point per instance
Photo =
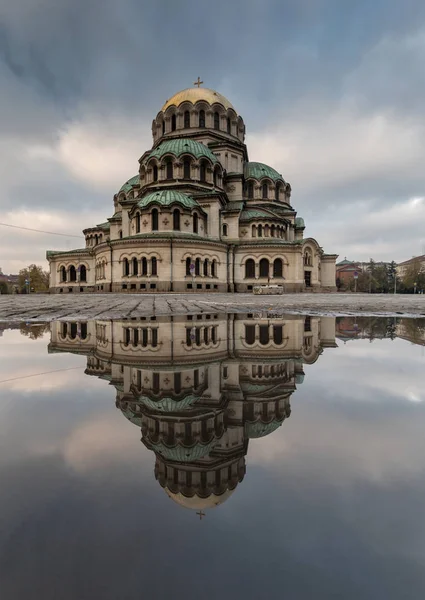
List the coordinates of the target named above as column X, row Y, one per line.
column 40, row 307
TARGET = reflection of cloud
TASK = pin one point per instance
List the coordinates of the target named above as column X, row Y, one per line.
column 102, row 441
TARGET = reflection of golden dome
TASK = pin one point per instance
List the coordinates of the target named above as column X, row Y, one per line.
column 194, row 95
column 197, row 503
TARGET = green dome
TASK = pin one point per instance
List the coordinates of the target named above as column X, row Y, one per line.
column 183, row 146
column 257, row 213
column 167, row 198
column 129, row 184
column 299, row 223
column 169, row 404
column 259, row 429
column 259, row 170
column 128, row 414
column 182, row 453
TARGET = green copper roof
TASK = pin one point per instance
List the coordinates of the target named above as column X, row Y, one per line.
column 257, row 213
column 259, row 429
column 299, row 222
column 259, row 170
column 169, row 404
column 183, row 146
column 167, row 198
column 129, row 184
column 182, row 453
column 128, row 414
column 103, row 226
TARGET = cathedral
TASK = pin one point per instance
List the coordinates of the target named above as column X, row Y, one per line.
column 198, row 216
column 199, row 387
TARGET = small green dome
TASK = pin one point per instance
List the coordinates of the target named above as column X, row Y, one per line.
column 259, row 170
column 299, row 223
column 129, row 184
column 259, row 429
column 169, row 404
column 183, row 146
column 167, row 198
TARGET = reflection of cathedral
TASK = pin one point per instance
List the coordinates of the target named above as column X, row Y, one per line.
column 200, row 387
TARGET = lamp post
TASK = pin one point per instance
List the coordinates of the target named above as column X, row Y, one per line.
column 414, row 287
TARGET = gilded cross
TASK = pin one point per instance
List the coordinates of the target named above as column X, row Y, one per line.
column 198, row 83
column 200, row 513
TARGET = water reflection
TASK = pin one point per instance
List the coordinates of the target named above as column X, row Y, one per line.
column 200, row 387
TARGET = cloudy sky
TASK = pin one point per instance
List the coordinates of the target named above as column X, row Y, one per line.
column 331, row 91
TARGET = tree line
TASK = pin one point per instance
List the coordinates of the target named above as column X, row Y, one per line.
column 32, row 279
column 383, row 279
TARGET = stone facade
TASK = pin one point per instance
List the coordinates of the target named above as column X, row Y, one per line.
column 199, row 216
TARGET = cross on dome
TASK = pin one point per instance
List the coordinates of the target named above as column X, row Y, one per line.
column 198, row 83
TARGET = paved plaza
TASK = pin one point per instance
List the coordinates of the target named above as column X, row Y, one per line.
column 40, row 307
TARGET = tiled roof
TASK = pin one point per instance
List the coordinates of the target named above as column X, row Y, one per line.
column 259, row 170
column 167, row 198
column 126, row 187
column 183, row 146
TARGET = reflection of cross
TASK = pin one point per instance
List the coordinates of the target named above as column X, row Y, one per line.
column 198, row 83
column 200, row 513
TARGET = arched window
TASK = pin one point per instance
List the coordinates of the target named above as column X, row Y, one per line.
column 250, row 268
column 203, row 172
column 120, row 234
column 260, row 231
column 138, row 223
column 126, row 267
column 198, row 266
column 215, row 178
column 195, row 223
column 273, row 231
column 177, row 383
column 73, row 331
column 250, row 334
column 135, row 266
column 201, row 118
column 169, row 169
column 229, row 125
column 154, row 265
column 278, row 268
column 264, row 191
column 267, row 230
column 186, row 168
column 144, row 266
column 254, row 231
column 250, row 190
column 225, row 229
column 186, row 119
column 216, row 120
column 188, row 263
column 83, row 273
column 72, row 273
column 214, row 268
column 173, row 123
column 278, row 334
column 264, row 267
column 96, row 240
column 264, row 334
column 63, row 274
column 155, row 173
column 276, row 192
column 163, row 127
column 154, row 218
column 206, row 267
column 176, row 219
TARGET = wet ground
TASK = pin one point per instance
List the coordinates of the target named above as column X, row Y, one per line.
column 51, row 307
column 212, row 455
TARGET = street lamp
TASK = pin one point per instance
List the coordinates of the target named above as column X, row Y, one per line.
column 414, row 287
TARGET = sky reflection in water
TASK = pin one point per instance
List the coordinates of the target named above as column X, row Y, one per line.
column 331, row 503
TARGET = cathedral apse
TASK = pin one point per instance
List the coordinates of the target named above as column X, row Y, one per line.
column 200, row 387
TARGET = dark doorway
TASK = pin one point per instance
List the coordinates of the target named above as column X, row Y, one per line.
column 307, row 278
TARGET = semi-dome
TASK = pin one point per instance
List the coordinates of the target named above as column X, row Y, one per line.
column 180, row 453
column 259, row 170
column 183, row 146
column 126, row 187
column 168, row 198
column 259, row 429
column 197, row 503
column 196, row 94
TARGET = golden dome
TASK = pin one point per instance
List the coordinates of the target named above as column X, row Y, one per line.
column 197, row 503
column 194, row 95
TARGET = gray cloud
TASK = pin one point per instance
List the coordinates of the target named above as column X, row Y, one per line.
column 332, row 94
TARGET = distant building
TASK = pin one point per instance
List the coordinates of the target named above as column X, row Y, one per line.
column 403, row 267
column 9, row 279
column 345, row 271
